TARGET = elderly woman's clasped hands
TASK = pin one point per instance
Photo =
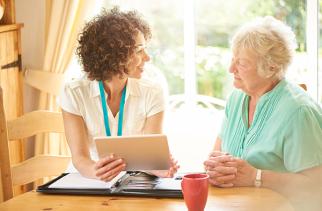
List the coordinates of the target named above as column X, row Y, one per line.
column 225, row 171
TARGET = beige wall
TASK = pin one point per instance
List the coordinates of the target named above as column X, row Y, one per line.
column 32, row 14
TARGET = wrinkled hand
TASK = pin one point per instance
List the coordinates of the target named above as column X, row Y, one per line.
column 167, row 173
column 221, row 169
column 109, row 167
column 246, row 173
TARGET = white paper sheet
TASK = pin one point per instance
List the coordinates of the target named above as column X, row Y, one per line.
column 77, row 181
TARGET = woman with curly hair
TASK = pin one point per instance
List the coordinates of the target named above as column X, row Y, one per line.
column 111, row 100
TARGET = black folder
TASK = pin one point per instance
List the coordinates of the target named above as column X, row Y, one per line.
column 132, row 183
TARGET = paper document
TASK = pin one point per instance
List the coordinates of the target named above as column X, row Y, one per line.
column 77, row 181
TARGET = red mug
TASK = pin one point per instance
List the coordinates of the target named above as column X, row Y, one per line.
column 195, row 191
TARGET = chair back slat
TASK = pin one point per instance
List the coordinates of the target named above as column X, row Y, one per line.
column 45, row 81
column 37, row 168
column 34, row 123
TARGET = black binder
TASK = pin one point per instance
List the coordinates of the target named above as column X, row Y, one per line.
column 132, row 183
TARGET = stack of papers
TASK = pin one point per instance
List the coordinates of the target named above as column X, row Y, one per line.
column 77, row 181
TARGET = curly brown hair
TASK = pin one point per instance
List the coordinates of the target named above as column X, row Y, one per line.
column 107, row 42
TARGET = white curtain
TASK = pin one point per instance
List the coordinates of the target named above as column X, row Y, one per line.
column 64, row 19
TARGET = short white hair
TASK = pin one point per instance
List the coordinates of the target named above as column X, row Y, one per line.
column 273, row 41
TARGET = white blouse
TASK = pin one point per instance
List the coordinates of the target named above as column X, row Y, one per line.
column 82, row 97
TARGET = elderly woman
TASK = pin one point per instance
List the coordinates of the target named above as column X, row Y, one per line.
column 271, row 134
column 111, row 100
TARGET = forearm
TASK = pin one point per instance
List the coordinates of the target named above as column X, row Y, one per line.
column 217, row 146
column 285, row 183
column 304, row 191
column 77, row 139
column 85, row 166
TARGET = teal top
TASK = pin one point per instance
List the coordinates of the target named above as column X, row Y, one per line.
column 286, row 132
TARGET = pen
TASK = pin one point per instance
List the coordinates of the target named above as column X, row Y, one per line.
column 118, row 183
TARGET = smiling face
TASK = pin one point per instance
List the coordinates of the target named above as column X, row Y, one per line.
column 244, row 67
column 138, row 58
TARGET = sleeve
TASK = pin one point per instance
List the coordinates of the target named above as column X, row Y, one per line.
column 67, row 100
column 155, row 101
column 303, row 141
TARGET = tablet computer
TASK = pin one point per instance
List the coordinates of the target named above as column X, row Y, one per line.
column 146, row 152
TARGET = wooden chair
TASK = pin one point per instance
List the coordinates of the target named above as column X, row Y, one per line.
column 25, row 126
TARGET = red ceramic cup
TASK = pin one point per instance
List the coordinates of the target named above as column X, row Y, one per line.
column 195, row 191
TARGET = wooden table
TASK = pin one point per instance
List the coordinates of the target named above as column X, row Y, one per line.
column 218, row 199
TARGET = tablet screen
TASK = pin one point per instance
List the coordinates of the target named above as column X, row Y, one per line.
column 147, row 152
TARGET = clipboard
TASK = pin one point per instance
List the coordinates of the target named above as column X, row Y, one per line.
column 131, row 183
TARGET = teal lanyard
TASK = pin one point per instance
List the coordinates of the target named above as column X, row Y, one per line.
column 103, row 100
